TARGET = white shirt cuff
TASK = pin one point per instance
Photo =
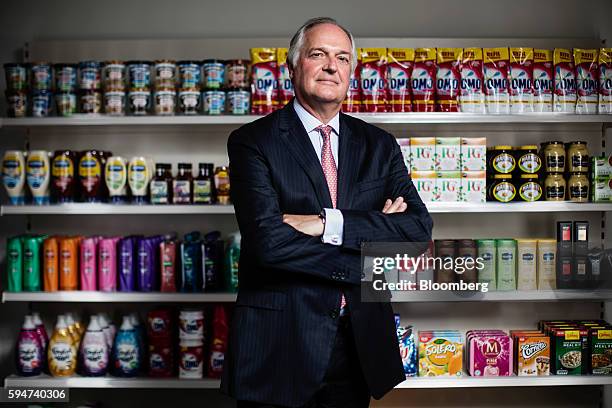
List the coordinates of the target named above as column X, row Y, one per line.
column 334, row 227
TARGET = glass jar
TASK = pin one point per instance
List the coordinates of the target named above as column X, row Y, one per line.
column 204, row 185
column 222, row 185
column 554, row 187
column 502, row 160
column 502, row 188
column 578, row 157
column 554, row 157
column 529, row 188
column 527, row 159
column 182, row 185
column 578, row 188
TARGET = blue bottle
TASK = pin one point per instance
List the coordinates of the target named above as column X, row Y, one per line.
column 126, row 350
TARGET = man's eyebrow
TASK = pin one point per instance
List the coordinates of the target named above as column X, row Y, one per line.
column 325, row 50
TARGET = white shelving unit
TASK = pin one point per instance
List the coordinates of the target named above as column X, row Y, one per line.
column 375, row 118
column 434, row 208
column 412, row 383
column 109, row 382
column 398, row 297
column 440, row 310
column 117, row 297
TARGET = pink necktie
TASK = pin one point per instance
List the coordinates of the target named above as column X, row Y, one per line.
column 331, row 175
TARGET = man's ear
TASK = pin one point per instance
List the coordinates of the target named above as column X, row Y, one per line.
column 290, row 71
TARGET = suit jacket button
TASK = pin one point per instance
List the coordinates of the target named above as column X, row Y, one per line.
column 362, row 275
column 333, row 314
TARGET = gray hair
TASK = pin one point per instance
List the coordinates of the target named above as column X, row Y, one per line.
column 297, row 42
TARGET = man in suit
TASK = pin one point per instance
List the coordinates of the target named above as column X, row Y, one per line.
column 310, row 185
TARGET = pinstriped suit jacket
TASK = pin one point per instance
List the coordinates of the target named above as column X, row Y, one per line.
column 286, row 313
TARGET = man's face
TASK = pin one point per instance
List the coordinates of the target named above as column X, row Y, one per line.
column 323, row 69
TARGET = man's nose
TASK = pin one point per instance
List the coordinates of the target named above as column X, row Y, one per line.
column 331, row 65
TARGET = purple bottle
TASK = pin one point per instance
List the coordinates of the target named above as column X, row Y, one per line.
column 126, row 252
column 148, row 264
column 42, row 336
column 29, row 350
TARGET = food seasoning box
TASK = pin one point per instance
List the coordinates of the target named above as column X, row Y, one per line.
column 546, row 267
column 473, row 153
column 448, row 185
column 532, row 354
column 569, row 344
column 425, row 184
column 601, row 167
column 527, row 264
column 405, row 149
column 473, row 187
column 448, row 154
column 506, row 264
column 601, row 190
column 422, row 153
column 600, row 341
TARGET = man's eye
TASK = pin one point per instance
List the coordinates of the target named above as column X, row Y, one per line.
column 344, row 59
column 316, row 54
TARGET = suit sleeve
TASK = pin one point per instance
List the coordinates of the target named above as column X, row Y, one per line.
column 413, row 225
column 276, row 244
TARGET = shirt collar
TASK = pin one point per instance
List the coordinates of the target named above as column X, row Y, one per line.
column 310, row 122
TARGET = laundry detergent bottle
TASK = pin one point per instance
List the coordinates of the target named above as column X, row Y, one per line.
column 29, row 349
column 126, row 350
column 62, row 352
column 94, row 350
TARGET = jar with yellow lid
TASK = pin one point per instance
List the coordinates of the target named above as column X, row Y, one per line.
column 578, row 188
column 578, row 157
column 502, row 188
column 554, row 187
column 501, row 160
column 554, row 156
column 529, row 188
column 527, row 159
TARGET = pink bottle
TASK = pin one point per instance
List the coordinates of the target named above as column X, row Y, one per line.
column 107, row 264
column 42, row 333
column 88, row 258
column 29, row 350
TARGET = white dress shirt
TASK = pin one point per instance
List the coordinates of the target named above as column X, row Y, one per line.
column 334, row 221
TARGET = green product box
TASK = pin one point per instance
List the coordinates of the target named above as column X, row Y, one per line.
column 569, row 347
column 600, row 347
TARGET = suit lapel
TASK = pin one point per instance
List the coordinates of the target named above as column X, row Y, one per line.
column 298, row 144
column 348, row 163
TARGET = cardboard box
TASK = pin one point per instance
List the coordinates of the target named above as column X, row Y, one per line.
column 448, row 154
column 405, row 149
column 473, row 187
column 448, row 186
column 473, row 153
column 425, row 184
column 423, row 153
column 601, row 190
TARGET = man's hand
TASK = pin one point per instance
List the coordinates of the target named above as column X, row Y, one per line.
column 307, row 224
column 397, row 206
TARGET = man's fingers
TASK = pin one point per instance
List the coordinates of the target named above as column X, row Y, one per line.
column 396, row 205
column 387, row 205
column 403, row 207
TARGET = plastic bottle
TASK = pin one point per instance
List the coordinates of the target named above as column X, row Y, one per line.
column 38, row 175
column 231, row 264
column 218, row 345
column 94, row 350
column 72, row 328
column 182, row 185
column 126, row 351
column 32, row 263
column 29, row 350
column 115, row 175
column 62, row 352
column 41, row 330
column 108, row 335
column 14, row 176
column 14, row 264
column 160, row 188
column 139, row 174
column 140, row 334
